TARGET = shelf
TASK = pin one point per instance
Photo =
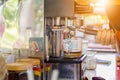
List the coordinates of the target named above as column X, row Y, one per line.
column 78, row 60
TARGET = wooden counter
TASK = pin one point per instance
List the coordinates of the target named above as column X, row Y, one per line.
column 30, row 61
column 18, row 66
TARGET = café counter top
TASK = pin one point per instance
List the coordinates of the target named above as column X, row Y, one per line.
column 22, row 64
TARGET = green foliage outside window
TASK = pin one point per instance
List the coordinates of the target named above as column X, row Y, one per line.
column 11, row 12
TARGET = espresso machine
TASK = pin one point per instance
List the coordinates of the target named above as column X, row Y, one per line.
column 58, row 18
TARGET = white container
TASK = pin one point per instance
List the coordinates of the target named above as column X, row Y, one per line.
column 76, row 45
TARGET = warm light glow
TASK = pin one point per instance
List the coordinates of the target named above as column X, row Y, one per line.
column 92, row 4
column 113, row 2
column 100, row 3
column 99, row 7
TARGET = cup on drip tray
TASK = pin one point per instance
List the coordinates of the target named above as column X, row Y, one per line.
column 91, row 62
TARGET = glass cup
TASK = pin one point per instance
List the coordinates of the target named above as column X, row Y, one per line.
column 91, row 63
column 67, row 45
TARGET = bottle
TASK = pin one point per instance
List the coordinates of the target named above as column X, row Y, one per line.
column 28, row 34
column 24, row 51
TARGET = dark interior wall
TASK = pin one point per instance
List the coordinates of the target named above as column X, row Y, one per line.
column 113, row 13
column 58, row 8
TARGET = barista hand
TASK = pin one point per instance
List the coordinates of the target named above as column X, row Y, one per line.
column 105, row 37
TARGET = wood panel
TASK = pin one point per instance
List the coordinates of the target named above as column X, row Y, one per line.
column 84, row 2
